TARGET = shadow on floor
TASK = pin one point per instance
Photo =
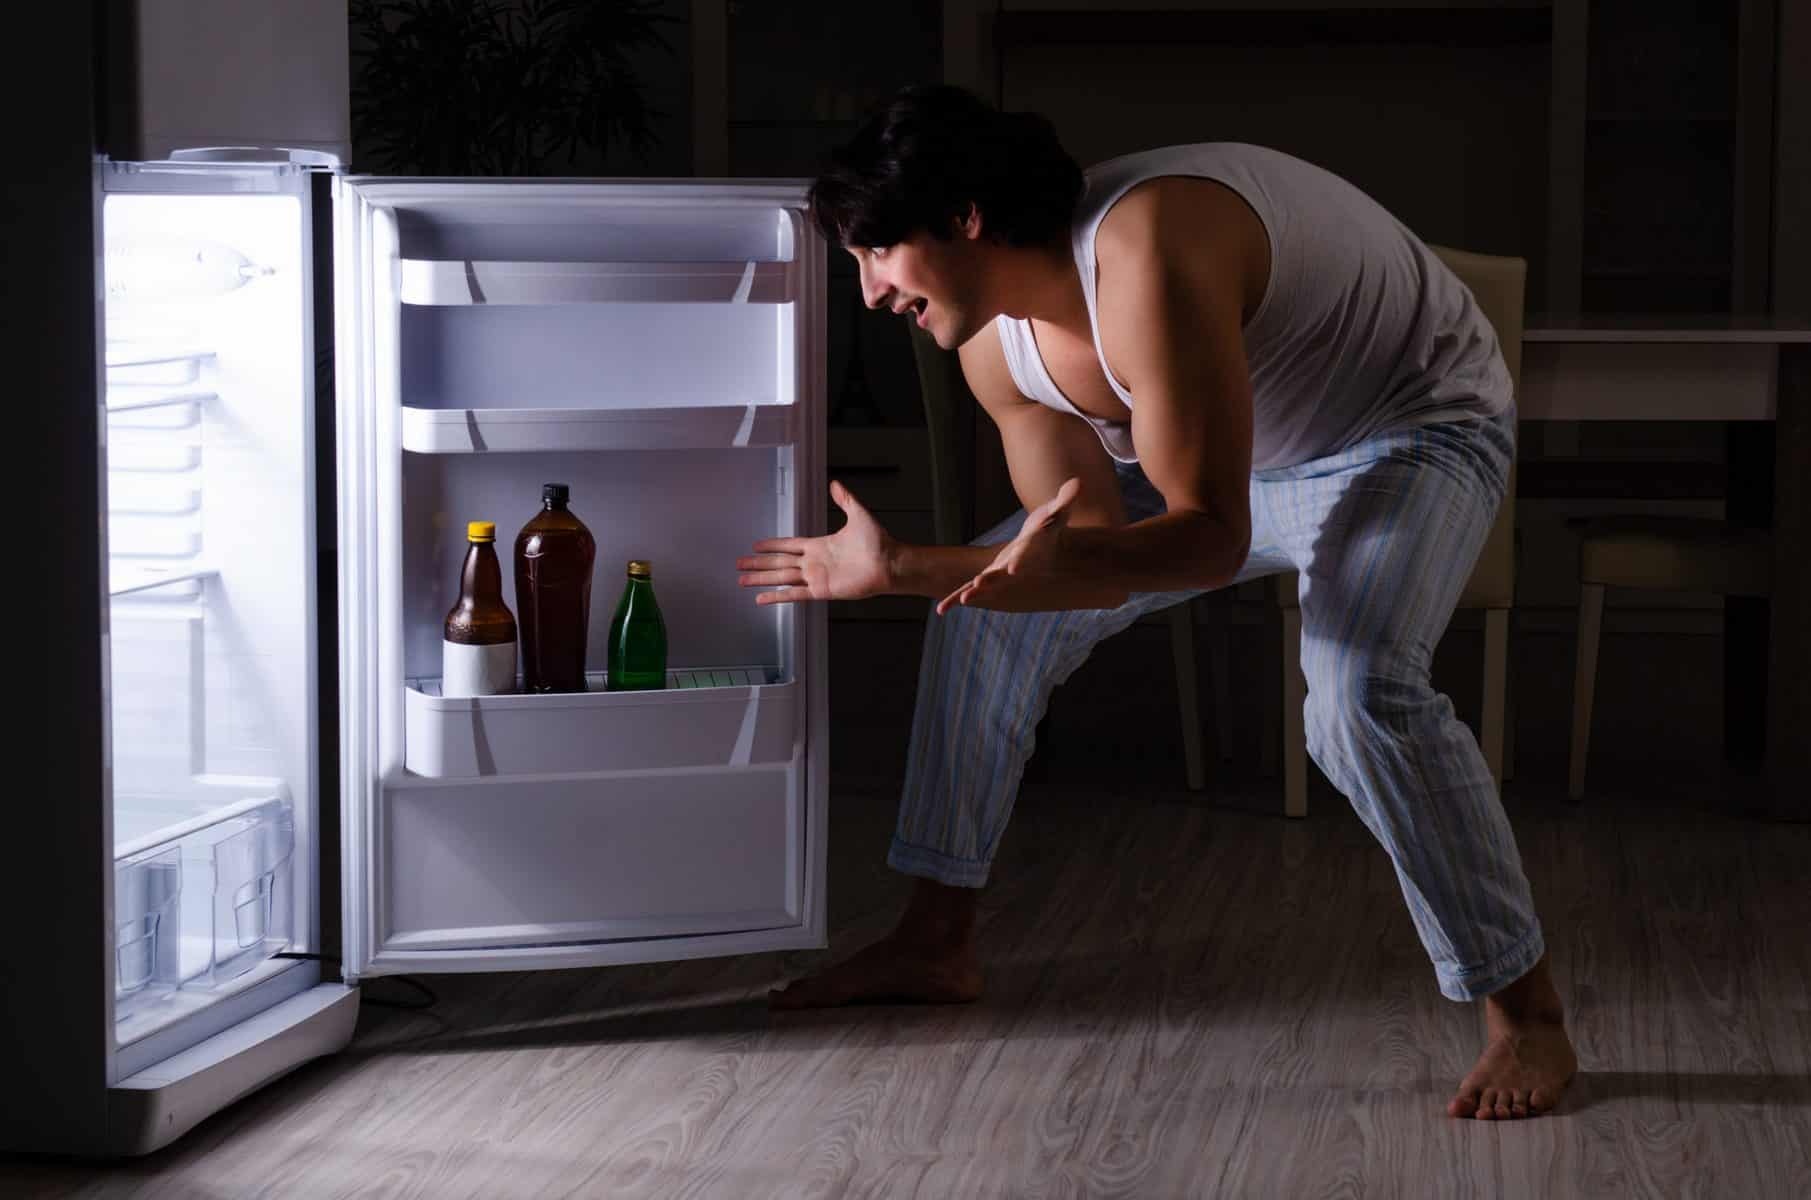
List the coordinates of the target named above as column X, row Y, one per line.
column 1693, row 1088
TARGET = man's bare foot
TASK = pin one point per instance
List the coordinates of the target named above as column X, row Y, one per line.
column 929, row 959
column 1527, row 1060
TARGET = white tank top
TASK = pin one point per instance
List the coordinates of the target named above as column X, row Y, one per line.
column 1361, row 329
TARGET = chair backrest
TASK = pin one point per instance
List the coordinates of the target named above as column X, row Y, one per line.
column 947, row 400
column 1497, row 283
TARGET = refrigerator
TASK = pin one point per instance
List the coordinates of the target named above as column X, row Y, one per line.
column 267, row 733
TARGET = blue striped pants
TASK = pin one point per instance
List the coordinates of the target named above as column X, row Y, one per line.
column 1384, row 535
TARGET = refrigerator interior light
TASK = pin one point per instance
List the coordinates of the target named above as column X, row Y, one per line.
column 166, row 269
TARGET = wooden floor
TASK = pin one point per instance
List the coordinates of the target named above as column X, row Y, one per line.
column 1185, row 998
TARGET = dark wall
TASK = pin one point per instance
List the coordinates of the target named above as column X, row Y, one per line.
column 56, row 1011
column 1451, row 140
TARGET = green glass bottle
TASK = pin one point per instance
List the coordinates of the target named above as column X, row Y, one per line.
column 638, row 636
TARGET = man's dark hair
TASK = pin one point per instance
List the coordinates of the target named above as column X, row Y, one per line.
column 921, row 160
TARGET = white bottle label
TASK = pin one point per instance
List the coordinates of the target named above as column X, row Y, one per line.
column 477, row 670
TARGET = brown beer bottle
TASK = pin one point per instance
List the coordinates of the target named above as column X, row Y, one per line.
column 478, row 655
column 554, row 555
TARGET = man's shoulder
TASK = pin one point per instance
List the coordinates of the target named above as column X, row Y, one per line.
column 1188, row 230
column 1172, row 215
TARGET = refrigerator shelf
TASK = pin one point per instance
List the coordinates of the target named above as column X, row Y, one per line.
column 468, row 281
column 123, row 400
column 153, row 366
column 124, row 355
column 706, row 717
column 492, row 430
column 137, row 579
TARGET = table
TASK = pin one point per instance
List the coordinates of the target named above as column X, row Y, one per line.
column 1756, row 374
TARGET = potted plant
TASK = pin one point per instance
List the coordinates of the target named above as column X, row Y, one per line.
column 498, row 87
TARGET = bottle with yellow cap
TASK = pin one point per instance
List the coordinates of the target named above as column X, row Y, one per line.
column 638, row 636
column 478, row 655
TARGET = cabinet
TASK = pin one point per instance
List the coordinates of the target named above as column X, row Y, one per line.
column 1662, row 146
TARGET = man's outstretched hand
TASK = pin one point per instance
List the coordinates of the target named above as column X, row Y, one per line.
column 1019, row 576
column 850, row 564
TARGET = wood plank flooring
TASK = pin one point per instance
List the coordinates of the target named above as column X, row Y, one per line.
column 1185, row 998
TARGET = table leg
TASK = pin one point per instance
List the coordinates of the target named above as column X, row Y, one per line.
column 1751, row 450
column 1789, row 680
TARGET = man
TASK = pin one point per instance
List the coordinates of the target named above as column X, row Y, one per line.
column 1207, row 363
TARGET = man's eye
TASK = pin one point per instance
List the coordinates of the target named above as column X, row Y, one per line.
column 877, row 251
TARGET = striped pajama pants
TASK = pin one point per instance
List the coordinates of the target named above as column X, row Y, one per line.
column 1384, row 535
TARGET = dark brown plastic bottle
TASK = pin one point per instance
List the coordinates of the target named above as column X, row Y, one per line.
column 478, row 655
column 554, row 556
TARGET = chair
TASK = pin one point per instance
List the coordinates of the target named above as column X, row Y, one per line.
column 1497, row 285
column 946, row 399
column 1666, row 553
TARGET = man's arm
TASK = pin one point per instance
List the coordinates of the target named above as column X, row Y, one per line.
column 1043, row 449
column 1175, row 280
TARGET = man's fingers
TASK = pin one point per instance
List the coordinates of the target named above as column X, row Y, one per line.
column 785, row 595
column 987, row 581
column 767, row 562
column 787, row 545
column 771, row 578
column 1065, row 496
column 954, row 598
column 845, row 499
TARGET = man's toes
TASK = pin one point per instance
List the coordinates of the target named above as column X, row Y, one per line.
column 1503, row 1113
column 1540, row 1100
column 1487, row 1105
column 1465, row 1104
column 1518, row 1102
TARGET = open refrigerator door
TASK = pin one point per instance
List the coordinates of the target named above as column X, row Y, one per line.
column 658, row 349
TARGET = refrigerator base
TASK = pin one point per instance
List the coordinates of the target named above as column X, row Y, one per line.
column 153, row 1108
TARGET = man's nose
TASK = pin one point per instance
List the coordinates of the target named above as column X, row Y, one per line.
column 873, row 292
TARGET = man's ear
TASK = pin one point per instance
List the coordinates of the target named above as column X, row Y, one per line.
column 969, row 226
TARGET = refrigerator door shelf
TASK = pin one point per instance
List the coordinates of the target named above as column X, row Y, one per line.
column 468, row 281
column 729, row 724
column 573, row 869
column 493, row 430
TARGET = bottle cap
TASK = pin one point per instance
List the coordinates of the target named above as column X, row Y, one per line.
column 481, row 531
column 556, row 491
column 640, row 569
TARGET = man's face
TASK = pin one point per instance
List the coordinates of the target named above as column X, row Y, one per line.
column 929, row 280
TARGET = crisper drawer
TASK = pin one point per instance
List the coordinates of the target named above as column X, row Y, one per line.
column 553, row 862
column 147, row 889
column 723, row 718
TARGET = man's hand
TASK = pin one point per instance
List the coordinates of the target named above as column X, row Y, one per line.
column 1023, row 576
column 850, row 564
